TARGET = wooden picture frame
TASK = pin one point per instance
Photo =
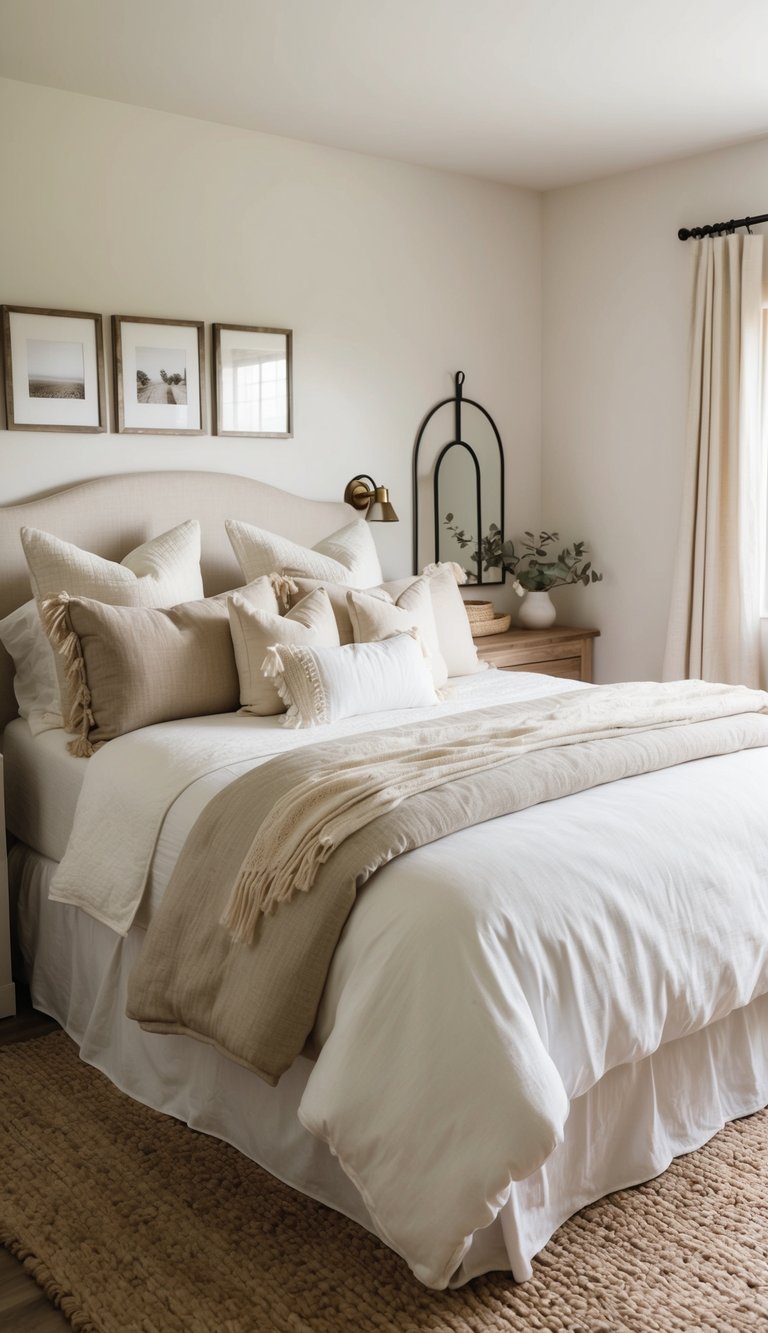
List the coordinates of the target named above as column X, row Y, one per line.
column 159, row 375
column 53, row 365
column 252, row 381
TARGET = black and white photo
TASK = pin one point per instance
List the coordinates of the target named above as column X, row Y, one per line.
column 158, row 375
column 53, row 369
column 161, row 375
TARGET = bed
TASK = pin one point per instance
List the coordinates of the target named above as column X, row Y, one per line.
column 630, row 1095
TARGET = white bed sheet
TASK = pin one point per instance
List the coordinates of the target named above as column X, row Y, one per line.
column 42, row 785
column 625, row 1130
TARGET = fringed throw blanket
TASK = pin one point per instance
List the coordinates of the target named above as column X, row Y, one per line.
column 237, row 957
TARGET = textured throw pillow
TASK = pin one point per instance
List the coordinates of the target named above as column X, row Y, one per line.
column 347, row 556
column 311, row 623
column 337, row 593
column 35, row 683
column 133, row 666
column 321, row 685
column 160, row 572
column 453, row 631
column 373, row 619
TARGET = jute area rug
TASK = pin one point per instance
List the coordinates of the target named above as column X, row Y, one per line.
column 130, row 1221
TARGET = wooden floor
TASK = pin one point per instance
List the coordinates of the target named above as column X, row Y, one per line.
column 23, row 1306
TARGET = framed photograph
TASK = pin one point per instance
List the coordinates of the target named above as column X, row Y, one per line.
column 54, row 369
column 252, row 381
column 159, row 365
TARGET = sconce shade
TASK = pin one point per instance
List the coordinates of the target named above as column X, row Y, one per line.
column 381, row 511
column 374, row 499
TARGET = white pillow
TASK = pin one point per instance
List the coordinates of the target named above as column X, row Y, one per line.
column 162, row 572
column 311, row 622
column 373, row 619
column 321, row 685
column 453, row 630
column 35, row 684
column 347, row 556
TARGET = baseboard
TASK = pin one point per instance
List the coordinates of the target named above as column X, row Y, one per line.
column 7, row 1000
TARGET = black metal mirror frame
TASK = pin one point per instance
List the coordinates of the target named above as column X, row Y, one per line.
column 457, row 442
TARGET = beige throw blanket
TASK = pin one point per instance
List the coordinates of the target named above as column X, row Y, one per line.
column 256, row 999
column 338, row 797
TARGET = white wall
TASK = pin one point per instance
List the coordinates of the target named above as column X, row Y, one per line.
column 391, row 276
column 616, row 302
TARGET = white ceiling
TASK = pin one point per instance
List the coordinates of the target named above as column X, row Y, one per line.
column 533, row 92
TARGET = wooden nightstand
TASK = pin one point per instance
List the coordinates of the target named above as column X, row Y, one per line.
column 558, row 651
column 7, row 989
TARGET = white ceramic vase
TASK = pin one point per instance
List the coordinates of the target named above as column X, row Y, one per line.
column 537, row 610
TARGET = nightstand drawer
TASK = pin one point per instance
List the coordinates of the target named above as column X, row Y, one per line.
column 560, row 650
column 567, row 667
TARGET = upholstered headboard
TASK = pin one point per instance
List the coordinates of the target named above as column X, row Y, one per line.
column 112, row 515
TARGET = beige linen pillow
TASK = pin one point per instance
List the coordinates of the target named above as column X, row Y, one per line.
column 134, row 666
column 337, row 594
column 347, row 556
column 453, row 631
column 322, row 685
column 374, row 619
column 160, row 572
column 310, row 622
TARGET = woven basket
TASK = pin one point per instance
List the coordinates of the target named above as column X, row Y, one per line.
column 496, row 626
column 479, row 610
column 483, row 619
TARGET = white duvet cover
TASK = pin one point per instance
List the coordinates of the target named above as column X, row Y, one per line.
column 486, row 980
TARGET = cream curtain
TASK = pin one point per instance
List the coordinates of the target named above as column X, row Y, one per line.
column 714, row 623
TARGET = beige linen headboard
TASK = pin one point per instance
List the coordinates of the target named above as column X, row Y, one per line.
column 112, row 515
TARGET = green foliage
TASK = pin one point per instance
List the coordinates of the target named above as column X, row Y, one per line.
column 531, row 561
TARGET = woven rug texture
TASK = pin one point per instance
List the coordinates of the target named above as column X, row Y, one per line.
column 131, row 1221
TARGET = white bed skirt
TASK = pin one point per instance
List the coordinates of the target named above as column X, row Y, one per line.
column 625, row 1130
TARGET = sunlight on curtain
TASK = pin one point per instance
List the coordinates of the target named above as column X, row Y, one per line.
column 714, row 628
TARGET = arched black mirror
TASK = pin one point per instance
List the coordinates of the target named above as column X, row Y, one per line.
column 458, row 486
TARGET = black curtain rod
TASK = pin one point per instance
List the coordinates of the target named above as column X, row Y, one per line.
column 716, row 228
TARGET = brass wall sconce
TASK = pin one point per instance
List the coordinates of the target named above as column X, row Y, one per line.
column 374, row 499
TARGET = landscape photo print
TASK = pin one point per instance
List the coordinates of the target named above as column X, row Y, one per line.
column 158, row 375
column 53, row 368
column 157, row 384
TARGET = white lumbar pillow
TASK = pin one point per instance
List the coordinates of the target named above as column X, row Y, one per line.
column 322, row 685
column 453, row 630
column 35, row 683
column 162, row 572
column 373, row 619
column 348, row 556
column 311, row 622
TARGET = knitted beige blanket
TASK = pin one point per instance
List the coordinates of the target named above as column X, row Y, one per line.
column 308, row 823
column 256, row 998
